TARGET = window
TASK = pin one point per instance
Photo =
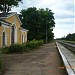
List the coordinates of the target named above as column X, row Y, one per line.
column 25, row 38
column 3, row 39
column 22, row 38
column 12, row 35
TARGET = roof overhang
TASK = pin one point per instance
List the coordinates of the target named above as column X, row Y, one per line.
column 2, row 22
column 11, row 14
column 22, row 29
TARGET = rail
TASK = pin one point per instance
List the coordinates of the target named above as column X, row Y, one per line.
column 68, row 45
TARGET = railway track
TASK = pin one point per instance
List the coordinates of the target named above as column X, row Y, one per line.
column 69, row 45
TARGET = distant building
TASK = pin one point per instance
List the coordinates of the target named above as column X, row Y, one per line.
column 11, row 31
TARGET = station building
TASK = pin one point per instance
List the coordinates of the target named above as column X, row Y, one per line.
column 11, row 31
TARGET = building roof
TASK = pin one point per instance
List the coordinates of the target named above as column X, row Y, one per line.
column 4, row 14
column 4, row 22
column 23, row 29
column 7, row 15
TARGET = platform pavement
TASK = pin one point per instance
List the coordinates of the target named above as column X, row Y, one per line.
column 44, row 60
column 68, row 58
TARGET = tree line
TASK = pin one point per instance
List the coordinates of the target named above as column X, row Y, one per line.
column 6, row 5
column 69, row 37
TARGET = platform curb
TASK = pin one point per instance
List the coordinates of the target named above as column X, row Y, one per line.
column 66, row 63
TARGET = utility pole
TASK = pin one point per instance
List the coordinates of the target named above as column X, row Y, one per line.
column 46, row 33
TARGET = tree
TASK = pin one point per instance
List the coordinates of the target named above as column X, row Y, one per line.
column 47, row 23
column 39, row 23
column 6, row 5
column 70, row 37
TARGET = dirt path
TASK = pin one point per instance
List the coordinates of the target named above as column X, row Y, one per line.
column 42, row 61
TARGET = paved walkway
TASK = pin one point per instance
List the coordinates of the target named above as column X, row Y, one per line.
column 68, row 59
column 42, row 61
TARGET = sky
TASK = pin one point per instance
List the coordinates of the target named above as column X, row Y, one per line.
column 63, row 12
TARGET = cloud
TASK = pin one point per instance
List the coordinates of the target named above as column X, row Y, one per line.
column 65, row 20
column 58, row 33
column 64, row 14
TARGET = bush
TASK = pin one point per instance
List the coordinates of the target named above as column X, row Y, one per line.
column 4, row 50
column 20, row 48
column 34, row 44
column 16, row 48
column 24, row 49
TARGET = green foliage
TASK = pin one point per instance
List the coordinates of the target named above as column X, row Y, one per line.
column 16, row 48
column 34, row 44
column 70, row 37
column 5, row 5
column 20, row 48
column 38, row 22
column 4, row 50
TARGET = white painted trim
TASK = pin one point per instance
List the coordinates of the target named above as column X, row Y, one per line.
column 2, row 17
column 23, row 39
column 10, row 35
column 4, row 23
column 5, row 26
column 15, row 33
column 5, row 37
column 18, row 19
column 15, row 13
column 1, row 39
column 24, row 30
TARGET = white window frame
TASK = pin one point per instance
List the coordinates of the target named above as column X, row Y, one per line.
column 5, row 38
column 22, row 38
column 15, row 34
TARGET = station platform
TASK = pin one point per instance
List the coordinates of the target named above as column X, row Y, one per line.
column 44, row 60
column 68, row 58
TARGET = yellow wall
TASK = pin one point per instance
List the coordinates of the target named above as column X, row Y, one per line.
column 7, row 33
column 13, row 20
column 25, row 36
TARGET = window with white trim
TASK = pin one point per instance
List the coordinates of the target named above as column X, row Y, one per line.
column 4, row 39
column 13, row 35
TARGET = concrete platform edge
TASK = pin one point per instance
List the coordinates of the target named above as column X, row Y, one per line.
column 66, row 63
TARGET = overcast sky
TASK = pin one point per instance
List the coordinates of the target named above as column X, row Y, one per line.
column 63, row 13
